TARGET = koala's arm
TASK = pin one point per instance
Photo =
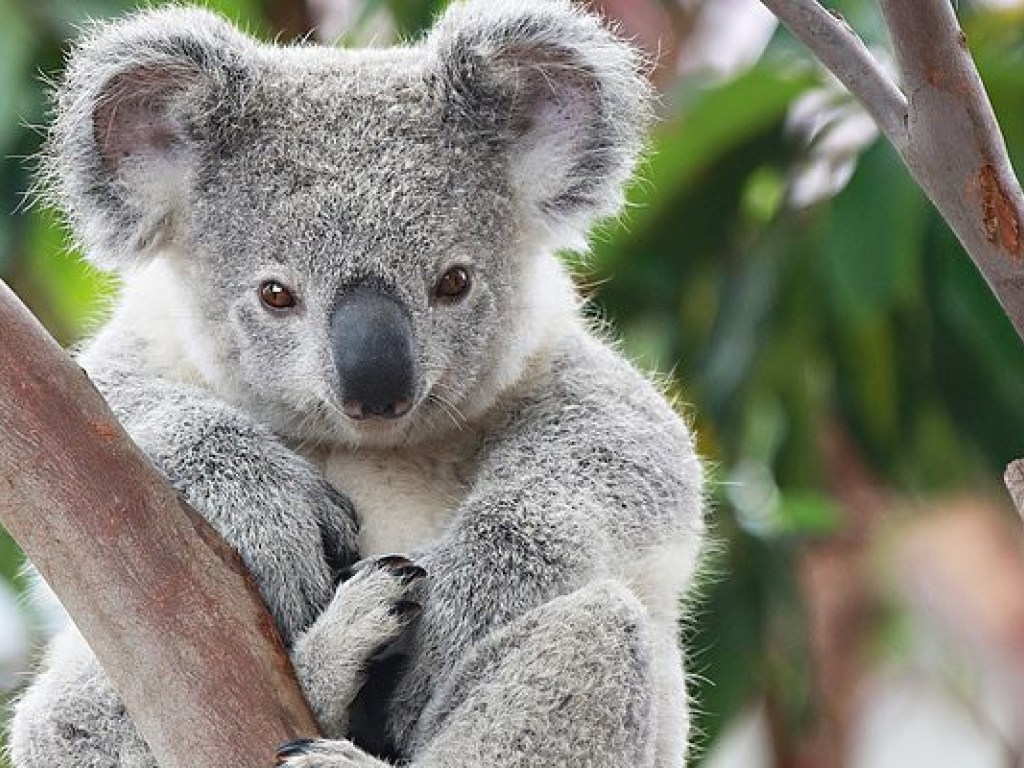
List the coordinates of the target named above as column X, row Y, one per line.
column 591, row 474
column 292, row 530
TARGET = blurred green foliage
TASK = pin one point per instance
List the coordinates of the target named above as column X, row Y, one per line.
column 772, row 323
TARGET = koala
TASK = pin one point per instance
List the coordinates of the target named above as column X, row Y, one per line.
column 344, row 333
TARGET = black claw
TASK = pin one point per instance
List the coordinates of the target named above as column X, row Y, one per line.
column 410, row 573
column 393, row 561
column 406, row 609
column 292, row 748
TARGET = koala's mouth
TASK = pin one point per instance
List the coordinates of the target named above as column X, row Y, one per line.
column 394, row 427
column 380, row 409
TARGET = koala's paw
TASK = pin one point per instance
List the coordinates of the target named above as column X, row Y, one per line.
column 369, row 612
column 376, row 601
column 292, row 530
column 324, row 753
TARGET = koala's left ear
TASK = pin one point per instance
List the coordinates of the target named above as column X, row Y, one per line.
column 565, row 97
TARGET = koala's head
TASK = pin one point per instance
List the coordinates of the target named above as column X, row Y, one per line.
column 361, row 240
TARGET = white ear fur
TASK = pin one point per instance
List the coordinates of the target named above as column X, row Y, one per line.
column 567, row 97
column 135, row 98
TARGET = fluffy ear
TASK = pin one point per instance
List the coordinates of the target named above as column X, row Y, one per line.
column 140, row 101
column 567, row 99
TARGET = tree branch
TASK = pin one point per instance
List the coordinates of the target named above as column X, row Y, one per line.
column 164, row 603
column 844, row 54
column 951, row 143
column 1013, row 479
column 956, row 151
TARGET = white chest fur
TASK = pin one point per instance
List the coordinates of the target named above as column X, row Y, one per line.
column 403, row 499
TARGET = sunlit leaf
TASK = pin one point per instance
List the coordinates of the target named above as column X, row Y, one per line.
column 807, row 514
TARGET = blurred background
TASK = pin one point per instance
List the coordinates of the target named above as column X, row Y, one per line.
column 856, row 389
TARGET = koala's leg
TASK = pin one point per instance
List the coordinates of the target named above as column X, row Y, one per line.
column 569, row 684
column 368, row 614
column 71, row 717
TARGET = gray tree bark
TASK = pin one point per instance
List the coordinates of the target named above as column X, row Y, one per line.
column 940, row 121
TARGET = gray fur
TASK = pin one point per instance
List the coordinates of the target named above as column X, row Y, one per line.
column 363, row 620
column 552, row 495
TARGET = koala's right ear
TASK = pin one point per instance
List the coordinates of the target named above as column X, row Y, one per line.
column 141, row 101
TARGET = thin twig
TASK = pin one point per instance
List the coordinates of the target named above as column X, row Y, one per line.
column 842, row 51
column 1013, row 478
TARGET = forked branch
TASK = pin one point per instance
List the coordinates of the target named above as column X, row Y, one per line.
column 844, row 54
column 940, row 121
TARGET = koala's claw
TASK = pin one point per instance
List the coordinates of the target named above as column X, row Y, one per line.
column 324, row 753
column 395, row 563
column 410, row 573
column 292, row 748
column 392, row 561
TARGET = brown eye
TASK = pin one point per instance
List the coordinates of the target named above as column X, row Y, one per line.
column 453, row 285
column 275, row 296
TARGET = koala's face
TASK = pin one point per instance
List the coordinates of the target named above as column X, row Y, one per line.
column 361, row 235
column 360, row 256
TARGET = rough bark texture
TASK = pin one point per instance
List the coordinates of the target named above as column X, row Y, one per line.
column 165, row 604
column 1014, row 480
column 955, row 149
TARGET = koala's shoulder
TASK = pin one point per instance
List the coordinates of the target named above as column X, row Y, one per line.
column 587, row 389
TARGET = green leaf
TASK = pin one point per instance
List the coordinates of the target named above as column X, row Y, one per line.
column 764, row 194
column 870, row 252
column 869, row 378
column 712, row 123
column 808, row 513
column 11, row 558
column 978, row 357
column 748, row 296
column 411, row 18
column 17, row 45
column 70, row 292
column 248, row 14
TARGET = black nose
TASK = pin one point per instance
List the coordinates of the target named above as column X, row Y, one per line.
column 372, row 339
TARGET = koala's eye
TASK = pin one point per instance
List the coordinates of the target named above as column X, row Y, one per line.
column 453, row 285
column 274, row 295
